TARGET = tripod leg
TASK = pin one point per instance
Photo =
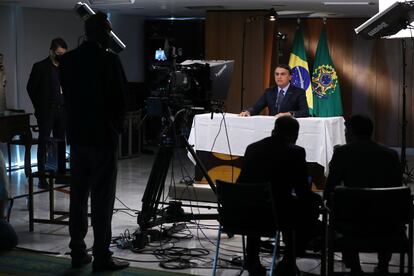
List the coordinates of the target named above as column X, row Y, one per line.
column 200, row 165
column 155, row 186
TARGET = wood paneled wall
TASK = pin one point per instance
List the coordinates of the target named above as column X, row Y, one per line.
column 224, row 40
column 370, row 72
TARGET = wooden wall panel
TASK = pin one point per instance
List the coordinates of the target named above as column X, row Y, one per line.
column 254, row 62
column 268, row 58
column 224, row 38
column 388, row 91
column 370, row 72
column 221, row 37
column 364, row 79
column 410, row 92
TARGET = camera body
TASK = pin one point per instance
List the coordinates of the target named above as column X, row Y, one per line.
column 196, row 84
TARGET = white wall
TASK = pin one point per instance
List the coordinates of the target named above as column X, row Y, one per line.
column 26, row 34
column 38, row 28
column 8, row 49
column 130, row 29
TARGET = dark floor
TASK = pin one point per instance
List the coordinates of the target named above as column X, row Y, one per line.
column 199, row 237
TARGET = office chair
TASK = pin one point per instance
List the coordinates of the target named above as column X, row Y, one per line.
column 371, row 220
column 246, row 209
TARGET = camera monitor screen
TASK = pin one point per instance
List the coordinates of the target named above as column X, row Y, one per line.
column 220, row 76
column 160, row 55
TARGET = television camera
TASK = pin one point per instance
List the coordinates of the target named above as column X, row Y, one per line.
column 200, row 85
column 191, row 85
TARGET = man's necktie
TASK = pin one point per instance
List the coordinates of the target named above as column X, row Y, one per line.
column 279, row 99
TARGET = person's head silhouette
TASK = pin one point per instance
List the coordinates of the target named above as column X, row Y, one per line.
column 358, row 127
column 287, row 129
column 97, row 28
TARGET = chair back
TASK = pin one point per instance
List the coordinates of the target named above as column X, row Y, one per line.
column 371, row 210
column 246, row 208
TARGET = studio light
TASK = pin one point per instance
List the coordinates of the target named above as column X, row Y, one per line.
column 84, row 12
column 272, row 15
column 281, row 36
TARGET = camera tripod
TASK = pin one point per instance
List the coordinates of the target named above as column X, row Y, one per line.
column 150, row 214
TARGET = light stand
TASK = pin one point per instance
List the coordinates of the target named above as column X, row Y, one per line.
column 404, row 115
column 388, row 23
column 242, row 66
column 281, row 37
column 407, row 173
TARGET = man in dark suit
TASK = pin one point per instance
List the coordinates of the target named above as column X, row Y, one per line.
column 45, row 93
column 278, row 160
column 363, row 163
column 283, row 99
column 94, row 86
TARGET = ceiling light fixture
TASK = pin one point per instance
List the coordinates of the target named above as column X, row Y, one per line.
column 272, row 14
column 110, row 2
column 348, row 3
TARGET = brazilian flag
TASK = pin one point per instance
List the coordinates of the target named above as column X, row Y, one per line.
column 325, row 84
column 300, row 68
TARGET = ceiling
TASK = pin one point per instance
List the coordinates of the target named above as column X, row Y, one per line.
column 197, row 8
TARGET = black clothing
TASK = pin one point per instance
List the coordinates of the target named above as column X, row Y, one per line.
column 8, row 237
column 294, row 101
column 363, row 164
column 43, row 88
column 93, row 170
column 55, row 123
column 284, row 166
column 57, row 96
column 40, row 87
column 94, row 87
column 281, row 164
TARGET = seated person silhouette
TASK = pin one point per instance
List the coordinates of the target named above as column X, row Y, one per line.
column 276, row 159
column 363, row 163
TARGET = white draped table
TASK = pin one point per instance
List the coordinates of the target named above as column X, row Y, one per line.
column 231, row 134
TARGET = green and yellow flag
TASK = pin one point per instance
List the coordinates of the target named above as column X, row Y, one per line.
column 327, row 100
column 300, row 68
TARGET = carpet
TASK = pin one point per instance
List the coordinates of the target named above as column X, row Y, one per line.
column 19, row 262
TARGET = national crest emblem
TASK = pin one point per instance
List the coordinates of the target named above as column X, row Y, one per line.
column 324, row 81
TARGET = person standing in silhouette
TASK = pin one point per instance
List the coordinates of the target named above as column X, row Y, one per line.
column 45, row 92
column 94, row 86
